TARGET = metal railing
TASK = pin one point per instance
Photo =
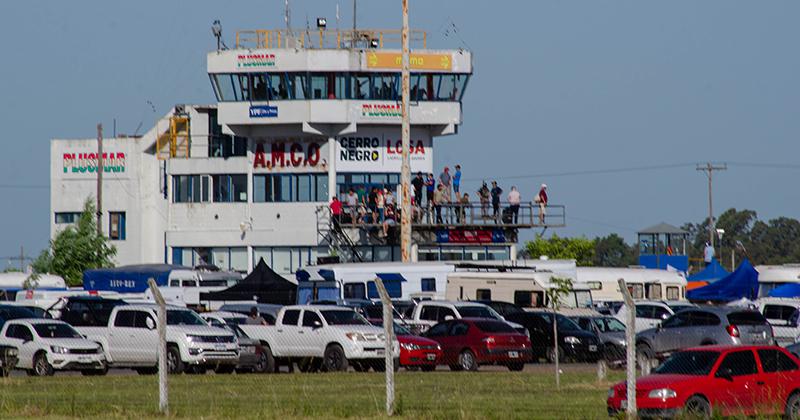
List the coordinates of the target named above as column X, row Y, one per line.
column 327, row 38
column 528, row 215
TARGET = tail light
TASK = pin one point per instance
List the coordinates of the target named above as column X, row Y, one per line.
column 732, row 330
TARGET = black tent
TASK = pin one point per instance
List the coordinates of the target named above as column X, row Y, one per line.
column 263, row 285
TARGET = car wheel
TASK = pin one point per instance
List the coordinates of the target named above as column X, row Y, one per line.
column 792, row 411
column 643, row 354
column 467, row 360
column 697, row 407
column 174, row 362
column 41, row 367
column 428, row 368
column 334, row 359
column 550, row 354
column 262, row 364
column 516, row 367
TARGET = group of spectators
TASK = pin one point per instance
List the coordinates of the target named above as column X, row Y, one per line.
column 429, row 197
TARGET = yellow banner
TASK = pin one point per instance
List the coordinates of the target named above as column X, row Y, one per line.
column 418, row 61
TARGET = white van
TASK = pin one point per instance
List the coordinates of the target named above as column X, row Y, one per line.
column 782, row 314
column 772, row 276
column 185, row 286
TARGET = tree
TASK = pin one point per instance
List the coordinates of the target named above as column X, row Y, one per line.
column 579, row 249
column 561, row 287
column 612, row 251
column 76, row 249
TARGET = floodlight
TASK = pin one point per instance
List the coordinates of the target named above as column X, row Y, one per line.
column 322, row 22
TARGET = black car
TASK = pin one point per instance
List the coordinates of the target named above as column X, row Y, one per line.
column 9, row 312
column 88, row 311
column 502, row 308
column 574, row 343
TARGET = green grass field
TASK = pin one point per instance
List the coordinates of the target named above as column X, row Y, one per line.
column 501, row 395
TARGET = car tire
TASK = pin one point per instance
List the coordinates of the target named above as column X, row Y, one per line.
column 792, row 410
column 147, row 370
column 550, row 354
column 174, row 363
column 428, row 368
column 516, row 367
column 643, row 354
column 41, row 367
column 334, row 359
column 263, row 361
column 224, row 369
column 697, row 407
column 467, row 360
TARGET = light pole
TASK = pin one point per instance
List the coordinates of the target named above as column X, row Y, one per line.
column 721, row 232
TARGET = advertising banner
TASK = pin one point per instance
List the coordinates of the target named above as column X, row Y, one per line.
column 376, row 150
column 290, row 155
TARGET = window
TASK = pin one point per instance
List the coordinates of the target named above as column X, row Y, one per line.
column 428, row 284
column 20, row 332
column 775, row 361
column 660, row 313
column 780, row 313
column 438, row 330
column 445, row 313
column 125, row 319
column 459, row 328
column 290, row 188
column 673, row 293
column 230, row 188
column 116, row 226
column 654, row 291
column 354, row 291
column 676, row 321
column 223, row 145
column 429, row 313
column 594, row 285
column 483, row 294
column 738, row 363
column 702, row 319
column 189, row 188
column 291, row 317
column 144, row 320
column 67, row 217
column 637, row 290
column 528, row 298
column 309, row 318
column 746, row 318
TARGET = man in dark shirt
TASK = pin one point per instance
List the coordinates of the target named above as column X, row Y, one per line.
column 496, row 192
column 418, row 183
column 372, row 204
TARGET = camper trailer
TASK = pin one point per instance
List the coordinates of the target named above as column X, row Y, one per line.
column 403, row 281
column 185, row 286
column 13, row 282
column 644, row 283
column 772, row 276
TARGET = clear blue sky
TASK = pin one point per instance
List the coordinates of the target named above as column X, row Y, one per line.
column 559, row 86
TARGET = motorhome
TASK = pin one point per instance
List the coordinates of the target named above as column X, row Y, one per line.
column 772, row 276
column 13, row 282
column 643, row 283
column 185, row 287
column 406, row 281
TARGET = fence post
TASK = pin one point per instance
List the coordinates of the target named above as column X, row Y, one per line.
column 630, row 349
column 163, row 390
column 388, row 331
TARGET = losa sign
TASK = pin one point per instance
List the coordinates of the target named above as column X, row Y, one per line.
column 381, row 152
column 87, row 162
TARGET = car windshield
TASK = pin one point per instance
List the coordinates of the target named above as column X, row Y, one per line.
column 234, row 321
column 477, row 312
column 697, row 363
column 56, row 331
column 177, row 317
column 333, row 317
column 746, row 318
column 564, row 323
column 494, row 327
column 609, row 325
column 401, row 330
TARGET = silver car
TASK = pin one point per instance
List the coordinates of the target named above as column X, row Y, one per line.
column 704, row 326
column 611, row 333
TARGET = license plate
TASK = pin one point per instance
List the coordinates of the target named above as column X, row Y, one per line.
column 219, row 347
column 513, row 354
column 84, row 358
column 624, row 404
column 431, row 356
column 592, row 348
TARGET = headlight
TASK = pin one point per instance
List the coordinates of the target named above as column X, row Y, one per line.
column 572, row 340
column 355, row 336
column 59, row 349
column 662, row 394
column 194, row 338
column 611, row 393
column 409, row 346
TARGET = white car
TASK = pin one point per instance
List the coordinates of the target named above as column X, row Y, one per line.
column 649, row 314
column 46, row 345
column 428, row 313
column 783, row 314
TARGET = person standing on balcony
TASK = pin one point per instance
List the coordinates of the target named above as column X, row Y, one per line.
column 336, row 212
column 446, row 180
column 484, row 195
column 352, row 204
column 418, row 183
column 541, row 199
column 372, row 204
column 380, row 203
column 430, row 188
column 513, row 203
column 457, row 182
column 462, row 208
column 438, row 200
column 496, row 193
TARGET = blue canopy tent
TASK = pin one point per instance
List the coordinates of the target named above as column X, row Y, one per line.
column 742, row 283
column 788, row 290
column 711, row 273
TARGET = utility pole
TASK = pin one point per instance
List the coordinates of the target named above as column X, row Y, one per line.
column 709, row 169
column 405, row 169
column 100, row 179
column 21, row 258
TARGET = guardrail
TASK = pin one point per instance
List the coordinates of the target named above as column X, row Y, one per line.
column 328, row 38
column 528, row 215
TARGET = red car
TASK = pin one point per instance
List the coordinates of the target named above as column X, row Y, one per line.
column 467, row 343
column 416, row 351
column 717, row 381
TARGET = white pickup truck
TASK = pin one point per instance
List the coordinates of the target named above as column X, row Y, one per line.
column 130, row 340
column 331, row 337
column 428, row 313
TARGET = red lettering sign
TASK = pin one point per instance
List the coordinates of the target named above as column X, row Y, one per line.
column 295, row 159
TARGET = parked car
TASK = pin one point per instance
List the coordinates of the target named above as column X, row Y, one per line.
column 794, row 349
column 784, row 316
column 130, row 340
column 251, row 353
column 46, row 345
column 267, row 310
column 611, row 333
column 416, row 352
column 678, row 305
column 648, row 314
column 430, row 312
column 470, row 342
column 8, row 359
column 716, row 381
column 9, row 312
column 85, row 311
column 701, row 327
column 502, row 308
column 574, row 343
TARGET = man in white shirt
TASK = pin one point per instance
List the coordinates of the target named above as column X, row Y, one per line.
column 352, row 205
column 513, row 203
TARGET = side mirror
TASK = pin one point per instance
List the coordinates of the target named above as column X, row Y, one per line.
column 151, row 325
column 317, row 324
column 448, row 317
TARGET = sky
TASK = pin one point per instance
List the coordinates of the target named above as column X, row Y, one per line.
column 570, row 93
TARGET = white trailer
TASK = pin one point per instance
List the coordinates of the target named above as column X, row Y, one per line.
column 772, row 276
column 644, row 283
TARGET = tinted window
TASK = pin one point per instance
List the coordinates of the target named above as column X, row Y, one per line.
column 438, row 330
column 475, row 312
column 584, row 323
column 609, row 325
column 494, row 327
column 563, row 323
column 428, row 313
column 738, row 364
column 344, row 318
column 56, row 331
column 775, row 361
column 644, row 311
column 291, row 317
column 141, row 320
column 444, row 313
column 660, row 313
column 354, row 291
column 746, row 318
column 15, row 312
column 12, row 331
column 702, row 319
column 677, row 321
column 689, row 363
column 125, row 319
column 483, row 294
column 782, row 312
column 309, row 317
column 177, row 317
column 428, row 285
column 459, row 328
